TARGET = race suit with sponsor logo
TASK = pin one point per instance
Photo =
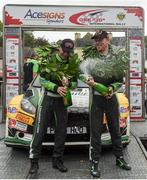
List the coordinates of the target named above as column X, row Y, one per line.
column 51, row 105
column 109, row 70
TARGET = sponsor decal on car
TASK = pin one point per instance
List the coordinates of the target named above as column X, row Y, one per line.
column 12, row 123
column 123, row 122
column 17, row 125
column 80, row 97
column 123, row 109
column 12, row 110
column 24, row 118
column 124, row 112
column 20, row 126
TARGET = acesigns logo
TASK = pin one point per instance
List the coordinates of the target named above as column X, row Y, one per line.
column 48, row 16
column 92, row 17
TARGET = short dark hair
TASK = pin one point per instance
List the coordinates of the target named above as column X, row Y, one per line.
column 67, row 45
column 100, row 35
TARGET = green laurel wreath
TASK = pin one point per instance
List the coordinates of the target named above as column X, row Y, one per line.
column 50, row 69
column 114, row 66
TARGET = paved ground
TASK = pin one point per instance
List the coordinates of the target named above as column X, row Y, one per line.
column 14, row 163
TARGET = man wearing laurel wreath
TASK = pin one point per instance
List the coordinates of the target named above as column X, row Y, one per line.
column 105, row 64
column 63, row 64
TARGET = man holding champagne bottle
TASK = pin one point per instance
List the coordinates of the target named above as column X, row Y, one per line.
column 100, row 64
column 51, row 104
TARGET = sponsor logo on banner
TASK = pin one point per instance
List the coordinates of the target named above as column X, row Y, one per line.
column 136, row 108
column 24, row 118
column 91, row 17
column 121, row 16
column 50, row 16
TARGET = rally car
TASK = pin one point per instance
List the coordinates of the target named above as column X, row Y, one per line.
column 21, row 118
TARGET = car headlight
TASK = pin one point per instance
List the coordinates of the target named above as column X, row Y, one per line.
column 27, row 106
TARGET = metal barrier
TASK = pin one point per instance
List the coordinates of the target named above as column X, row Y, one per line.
column 1, row 102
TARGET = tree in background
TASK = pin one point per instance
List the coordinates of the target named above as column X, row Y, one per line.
column 41, row 41
column 85, row 40
column 29, row 40
column 87, row 36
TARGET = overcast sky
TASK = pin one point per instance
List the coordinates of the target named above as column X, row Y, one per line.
column 141, row 3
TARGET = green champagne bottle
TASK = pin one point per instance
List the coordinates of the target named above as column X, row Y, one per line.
column 102, row 89
column 67, row 99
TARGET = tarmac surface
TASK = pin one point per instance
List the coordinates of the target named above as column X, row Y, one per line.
column 14, row 163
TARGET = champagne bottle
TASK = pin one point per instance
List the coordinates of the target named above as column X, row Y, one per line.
column 102, row 89
column 67, row 99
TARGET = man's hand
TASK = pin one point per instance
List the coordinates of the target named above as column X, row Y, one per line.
column 90, row 82
column 61, row 90
column 110, row 94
